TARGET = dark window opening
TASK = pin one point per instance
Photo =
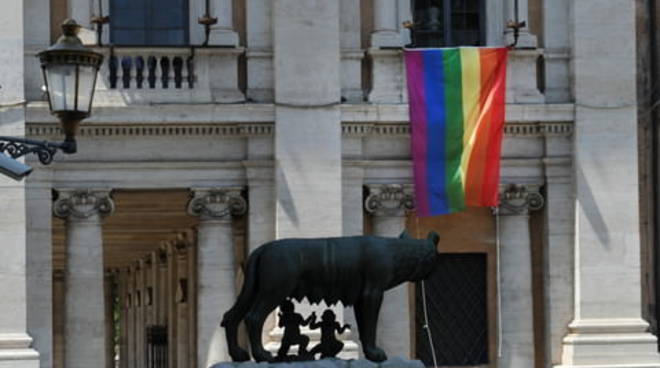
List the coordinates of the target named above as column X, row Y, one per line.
column 149, row 22
column 457, row 306
column 446, row 23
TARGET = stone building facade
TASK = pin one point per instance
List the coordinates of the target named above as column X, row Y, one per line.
column 293, row 122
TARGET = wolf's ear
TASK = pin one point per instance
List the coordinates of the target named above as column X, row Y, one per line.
column 434, row 237
column 404, row 235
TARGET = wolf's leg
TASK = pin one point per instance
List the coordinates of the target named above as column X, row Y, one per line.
column 236, row 352
column 366, row 313
column 255, row 322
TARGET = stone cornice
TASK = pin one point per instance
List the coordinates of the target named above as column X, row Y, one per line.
column 37, row 112
column 520, row 130
column 148, row 130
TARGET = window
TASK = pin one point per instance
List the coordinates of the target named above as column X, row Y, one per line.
column 457, row 299
column 442, row 23
column 149, row 22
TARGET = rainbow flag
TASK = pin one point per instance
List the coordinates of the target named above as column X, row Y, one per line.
column 456, row 98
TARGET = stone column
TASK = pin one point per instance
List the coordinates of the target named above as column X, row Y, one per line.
column 171, row 285
column 81, row 12
column 526, row 39
column 387, row 204
column 130, row 316
column 109, row 325
column 307, row 122
column 385, row 24
column 84, row 301
column 122, row 289
column 216, row 267
column 607, row 327
column 307, row 119
column 140, row 314
column 182, row 305
column 192, row 302
column 58, row 319
column 223, row 33
column 515, row 279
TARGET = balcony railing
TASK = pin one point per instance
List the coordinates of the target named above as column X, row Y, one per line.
column 147, row 75
column 151, row 69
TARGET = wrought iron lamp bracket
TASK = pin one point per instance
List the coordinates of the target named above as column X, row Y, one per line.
column 18, row 147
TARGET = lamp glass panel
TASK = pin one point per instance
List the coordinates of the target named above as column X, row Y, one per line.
column 86, row 81
column 61, row 86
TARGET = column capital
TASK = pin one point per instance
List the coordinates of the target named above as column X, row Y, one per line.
column 83, row 203
column 217, row 203
column 392, row 200
column 519, row 199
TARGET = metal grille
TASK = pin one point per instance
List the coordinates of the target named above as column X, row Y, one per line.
column 156, row 346
column 149, row 22
column 444, row 23
column 457, row 294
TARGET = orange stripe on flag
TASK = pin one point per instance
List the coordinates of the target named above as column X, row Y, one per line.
column 477, row 161
column 492, row 170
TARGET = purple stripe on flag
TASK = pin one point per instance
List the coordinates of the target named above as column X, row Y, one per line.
column 418, row 122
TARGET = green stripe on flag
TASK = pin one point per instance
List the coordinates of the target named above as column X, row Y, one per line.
column 454, row 131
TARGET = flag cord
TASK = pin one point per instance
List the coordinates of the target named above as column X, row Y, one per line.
column 499, row 282
column 425, row 308
column 426, row 325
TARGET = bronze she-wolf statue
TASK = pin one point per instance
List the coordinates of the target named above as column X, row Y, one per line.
column 353, row 270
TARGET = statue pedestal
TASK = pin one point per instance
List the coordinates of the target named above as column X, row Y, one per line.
column 394, row 362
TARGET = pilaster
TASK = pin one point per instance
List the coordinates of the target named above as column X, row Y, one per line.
column 607, row 327
column 351, row 51
column 557, row 50
column 223, row 33
column 84, row 278
column 217, row 70
column 388, row 76
column 517, row 306
column 388, row 205
column 39, row 200
column 522, row 77
column 216, row 266
column 260, row 69
column 15, row 343
column 261, row 212
column 81, row 12
column 559, row 237
column 519, row 10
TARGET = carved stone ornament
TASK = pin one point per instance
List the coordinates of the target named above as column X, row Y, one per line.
column 217, row 203
column 520, row 199
column 389, row 199
column 83, row 204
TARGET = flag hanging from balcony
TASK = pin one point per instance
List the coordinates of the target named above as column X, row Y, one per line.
column 456, row 98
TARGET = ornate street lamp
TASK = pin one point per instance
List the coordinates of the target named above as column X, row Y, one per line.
column 69, row 70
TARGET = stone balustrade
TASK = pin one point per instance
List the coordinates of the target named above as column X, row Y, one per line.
column 144, row 75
